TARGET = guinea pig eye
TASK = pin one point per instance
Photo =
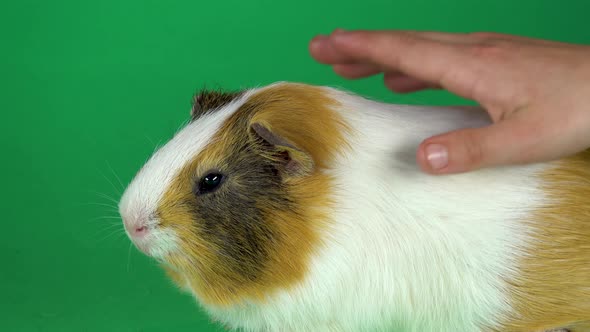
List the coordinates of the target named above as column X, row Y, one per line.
column 209, row 183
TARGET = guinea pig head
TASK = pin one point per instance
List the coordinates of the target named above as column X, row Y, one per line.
column 234, row 204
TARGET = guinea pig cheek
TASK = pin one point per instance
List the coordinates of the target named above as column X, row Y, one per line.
column 175, row 241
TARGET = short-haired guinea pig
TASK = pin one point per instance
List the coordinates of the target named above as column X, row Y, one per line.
column 294, row 207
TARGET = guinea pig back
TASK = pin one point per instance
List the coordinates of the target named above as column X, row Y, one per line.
column 294, row 207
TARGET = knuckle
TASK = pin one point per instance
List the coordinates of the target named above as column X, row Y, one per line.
column 485, row 35
column 386, row 47
column 341, row 70
column 474, row 149
column 406, row 39
column 394, row 40
column 487, row 49
column 490, row 46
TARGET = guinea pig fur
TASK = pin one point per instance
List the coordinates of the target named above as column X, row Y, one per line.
column 294, row 207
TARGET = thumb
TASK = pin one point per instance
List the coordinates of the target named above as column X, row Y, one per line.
column 473, row 148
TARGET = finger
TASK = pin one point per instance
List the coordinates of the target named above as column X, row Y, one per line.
column 393, row 80
column 480, row 37
column 356, row 70
column 323, row 51
column 423, row 59
column 404, row 84
column 503, row 143
column 454, row 38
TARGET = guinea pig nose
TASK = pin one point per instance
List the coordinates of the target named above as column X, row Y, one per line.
column 140, row 230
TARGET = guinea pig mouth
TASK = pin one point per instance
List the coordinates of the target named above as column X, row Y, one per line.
column 143, row 247
column 142, row 235
column 154, row 241
column 142, row 243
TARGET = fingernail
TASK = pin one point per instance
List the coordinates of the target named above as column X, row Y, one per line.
column 338, row 30
column 437, row 156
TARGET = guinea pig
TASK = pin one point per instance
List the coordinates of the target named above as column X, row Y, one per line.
column 294, row 207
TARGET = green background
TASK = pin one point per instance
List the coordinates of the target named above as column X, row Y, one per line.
column 88, row 89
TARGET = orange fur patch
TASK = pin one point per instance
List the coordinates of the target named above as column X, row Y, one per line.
column 553, row 290
column 304, row 116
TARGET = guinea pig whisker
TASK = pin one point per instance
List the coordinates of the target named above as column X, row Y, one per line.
column 115, row 209
column 116, row 177
column 129, row 256
column 156, row 145
column 107, row 197
column 117, row 190
column 108, row 228
column 115, row 232
column 98, row 204
column 108, row 225
column 105, row 218
column 149, row 139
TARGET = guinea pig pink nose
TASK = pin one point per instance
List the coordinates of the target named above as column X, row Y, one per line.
column 135, row 227
column 140, row 230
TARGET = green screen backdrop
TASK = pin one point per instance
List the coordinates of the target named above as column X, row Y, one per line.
column 88, row 89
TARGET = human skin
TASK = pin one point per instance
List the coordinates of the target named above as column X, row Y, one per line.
column 537, row 92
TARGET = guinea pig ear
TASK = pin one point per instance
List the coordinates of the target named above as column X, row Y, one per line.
column 290, row 160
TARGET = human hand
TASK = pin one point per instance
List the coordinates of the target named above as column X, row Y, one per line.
column 536, row 92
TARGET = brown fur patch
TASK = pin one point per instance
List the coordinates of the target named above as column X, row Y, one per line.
column 262, row 239
column 553, row 290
